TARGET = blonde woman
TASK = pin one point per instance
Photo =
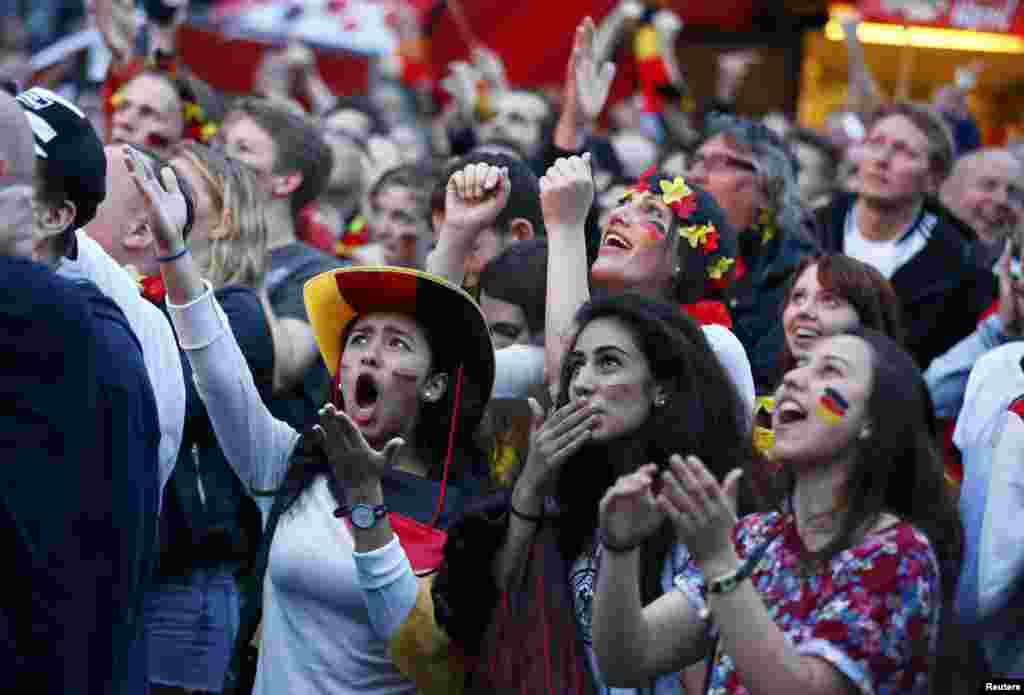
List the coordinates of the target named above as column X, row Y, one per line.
column 229, row 236
column 210, row 526
column 229, row 243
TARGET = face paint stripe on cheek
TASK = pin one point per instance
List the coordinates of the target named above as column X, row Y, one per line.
column 619, row 392
column 653, row 236
column 832, row 406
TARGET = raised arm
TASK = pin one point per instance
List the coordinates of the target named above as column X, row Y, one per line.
column 636, row 643
column 257, row 445
column 588, row 81
column 703, row 514
column 610, row 30
column 733, row 69
column 385, row 574
column 474, row 198
column 553, row 440
column 566, row 194
column 864, row 95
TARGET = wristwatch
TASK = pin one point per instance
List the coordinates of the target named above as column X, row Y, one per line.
column 728, row 582
column 366, row 516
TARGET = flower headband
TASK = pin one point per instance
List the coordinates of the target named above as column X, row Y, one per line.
column 682, row 200
column 197, row 126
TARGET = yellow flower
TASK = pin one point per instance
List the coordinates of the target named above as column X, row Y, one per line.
column 764, row 403
column 719, row 268
column 208, row 130
column 504, row 464
column 193, row 111
column 767, row 224
column 696, row 234
column 117, row 99
column 764, row 439
column 676, row 191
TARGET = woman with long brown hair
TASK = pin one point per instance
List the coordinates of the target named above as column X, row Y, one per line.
column 840, row 587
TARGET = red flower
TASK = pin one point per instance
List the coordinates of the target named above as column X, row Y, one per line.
column 740, row 269
column 685, row 207
column 153, row 289
column 710, row 242
column 708, row 312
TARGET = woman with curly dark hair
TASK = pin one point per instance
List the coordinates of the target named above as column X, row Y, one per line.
column 639, row 382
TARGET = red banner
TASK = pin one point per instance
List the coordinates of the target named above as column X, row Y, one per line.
column 1003, row 16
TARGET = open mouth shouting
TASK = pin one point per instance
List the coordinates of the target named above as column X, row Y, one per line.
column 614, row 240
column 805, row 335
column 367, row 396
column 788, row 412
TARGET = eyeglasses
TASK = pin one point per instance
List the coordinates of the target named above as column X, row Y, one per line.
column 720, row 162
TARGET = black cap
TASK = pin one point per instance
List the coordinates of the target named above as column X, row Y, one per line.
column 71, row 149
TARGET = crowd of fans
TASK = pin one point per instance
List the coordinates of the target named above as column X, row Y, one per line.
column 473, row 388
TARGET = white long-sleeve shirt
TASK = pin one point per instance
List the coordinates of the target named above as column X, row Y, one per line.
column 159, row 348
column 328, row 612
column 990, row 434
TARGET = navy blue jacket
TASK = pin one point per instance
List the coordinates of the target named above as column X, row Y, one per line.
column 78, row 486
column 756, row 299
column 943, row 289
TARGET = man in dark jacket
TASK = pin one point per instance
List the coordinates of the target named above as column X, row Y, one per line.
column 896, row 225
column 78, row 444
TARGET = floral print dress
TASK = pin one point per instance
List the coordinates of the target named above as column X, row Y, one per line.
column 874, row 614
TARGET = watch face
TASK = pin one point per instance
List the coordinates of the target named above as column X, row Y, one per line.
column 365, row 516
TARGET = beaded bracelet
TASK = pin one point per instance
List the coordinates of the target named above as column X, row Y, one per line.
column 174, row 257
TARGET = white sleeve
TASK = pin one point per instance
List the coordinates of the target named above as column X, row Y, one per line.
column 733, row 358
column 1001, row 552
column 389, row 586
column 159, row 348
column 256, row 444
column 517, row 369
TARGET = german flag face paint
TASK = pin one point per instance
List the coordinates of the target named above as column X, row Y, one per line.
column 832, row 406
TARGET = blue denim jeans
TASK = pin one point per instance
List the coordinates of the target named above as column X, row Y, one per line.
column 191, row 626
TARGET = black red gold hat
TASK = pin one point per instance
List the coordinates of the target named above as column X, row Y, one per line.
column 447, row 313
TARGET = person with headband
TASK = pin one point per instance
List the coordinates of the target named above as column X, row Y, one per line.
column 396, row 438
column 665, row 240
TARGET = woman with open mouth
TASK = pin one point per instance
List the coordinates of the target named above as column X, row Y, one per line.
column 665, row 240
column 413, row 367
column 829, row 294
column 841, row 587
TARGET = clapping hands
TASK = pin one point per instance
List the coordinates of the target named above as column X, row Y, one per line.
column 702, row 511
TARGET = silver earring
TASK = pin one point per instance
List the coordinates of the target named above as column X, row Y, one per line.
column 659, row 401
column 865, row 433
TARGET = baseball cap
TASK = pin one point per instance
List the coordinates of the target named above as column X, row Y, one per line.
column 71, row 149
